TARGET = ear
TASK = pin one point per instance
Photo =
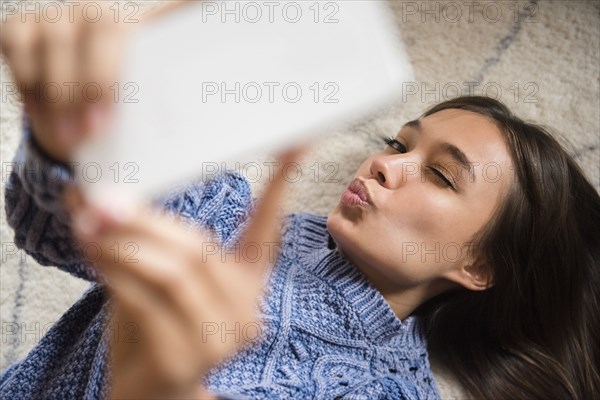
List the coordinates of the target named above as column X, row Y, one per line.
column 474, row 276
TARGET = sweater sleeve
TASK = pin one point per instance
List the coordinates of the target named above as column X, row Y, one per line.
column 42, row 226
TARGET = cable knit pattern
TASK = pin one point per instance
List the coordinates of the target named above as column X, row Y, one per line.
column 328, row 333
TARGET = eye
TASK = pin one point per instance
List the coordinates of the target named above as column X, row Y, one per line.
column 394, row 144
column 399, row 147
column 442, row 178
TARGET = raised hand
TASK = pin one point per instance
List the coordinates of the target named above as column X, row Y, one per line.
column 66, row 65
column 176, row 293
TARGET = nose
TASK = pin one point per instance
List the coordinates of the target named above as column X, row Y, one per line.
column 389, row 170
column 380, row 170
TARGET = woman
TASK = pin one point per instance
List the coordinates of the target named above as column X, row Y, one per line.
column 497, row 272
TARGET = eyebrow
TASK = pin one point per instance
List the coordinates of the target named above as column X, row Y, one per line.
column 415, row 124
column 456, row 153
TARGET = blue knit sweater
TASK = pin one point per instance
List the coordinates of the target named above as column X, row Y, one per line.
column 328, row 332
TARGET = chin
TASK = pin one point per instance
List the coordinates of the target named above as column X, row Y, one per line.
column 342, row 216
column 336, row 223
column 341, row 229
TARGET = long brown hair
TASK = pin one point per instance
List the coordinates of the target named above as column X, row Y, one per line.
column 535, row 334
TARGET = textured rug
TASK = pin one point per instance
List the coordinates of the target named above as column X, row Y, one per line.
column 540, row 58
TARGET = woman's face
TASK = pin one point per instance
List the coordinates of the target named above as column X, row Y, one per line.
column 428, row 194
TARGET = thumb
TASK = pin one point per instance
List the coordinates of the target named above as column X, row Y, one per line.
column 264, row 230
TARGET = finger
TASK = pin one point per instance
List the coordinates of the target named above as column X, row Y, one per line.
column 155, row 270
column 172, row 308
column 264, row 229
column 101, row 53
column 141, row 306
column 92, row 217
column 147, row 248
column 137, row 300
column 121, row 220
column 59, row 61
column 121, row 214
column 145, row 332
column 195, row 299
column 20, row 42
column 162, row 270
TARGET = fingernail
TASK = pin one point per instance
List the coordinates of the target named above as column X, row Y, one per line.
column 116, row 206
column 86, row 223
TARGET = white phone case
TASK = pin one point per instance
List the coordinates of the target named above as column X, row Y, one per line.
column 218, row 81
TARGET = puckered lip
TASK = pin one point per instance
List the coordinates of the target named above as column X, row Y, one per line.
column 358, row 187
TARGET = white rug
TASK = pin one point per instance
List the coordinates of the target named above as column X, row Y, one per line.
column 541, row 59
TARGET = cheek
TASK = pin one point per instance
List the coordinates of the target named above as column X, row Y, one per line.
column 407, row 248
column 421, row 215
column 417, row 232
